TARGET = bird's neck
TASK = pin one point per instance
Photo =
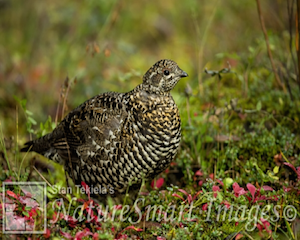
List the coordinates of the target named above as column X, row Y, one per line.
column 150, row 89
column 145, row 99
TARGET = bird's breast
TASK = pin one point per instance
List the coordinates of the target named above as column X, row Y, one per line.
column 156, row 135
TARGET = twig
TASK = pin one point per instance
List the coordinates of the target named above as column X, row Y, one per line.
column 67, row 84
column 58, row 105
column 49, row 184
column 297, row 34
column 188, row 111
column 188, row 92
column 290, row 10
column 268, row 45
column 204, row 35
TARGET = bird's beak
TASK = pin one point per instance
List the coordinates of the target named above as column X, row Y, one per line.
column 184, row 74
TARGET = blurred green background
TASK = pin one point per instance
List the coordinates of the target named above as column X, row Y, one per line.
column 109, row 45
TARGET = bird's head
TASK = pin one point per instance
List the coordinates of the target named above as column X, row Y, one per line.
column 163, row 76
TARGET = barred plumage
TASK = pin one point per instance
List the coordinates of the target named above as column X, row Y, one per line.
column 115, row 139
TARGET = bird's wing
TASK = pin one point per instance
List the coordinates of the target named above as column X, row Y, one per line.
column 88, row 129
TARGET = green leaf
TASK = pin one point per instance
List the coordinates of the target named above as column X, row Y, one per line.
column 271, row 175
column 290, row 231
column 30, row 119
column 276, row 169
column 28, row 208
column 25, row 213
column 228, row 182
column 21, row 102
column 28, row 112
column 258, row 106
column 208, row 139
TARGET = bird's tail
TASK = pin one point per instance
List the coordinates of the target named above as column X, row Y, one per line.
column 53, row 146
column 40, row 145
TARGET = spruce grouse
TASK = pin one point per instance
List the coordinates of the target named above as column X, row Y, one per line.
column 115, row 139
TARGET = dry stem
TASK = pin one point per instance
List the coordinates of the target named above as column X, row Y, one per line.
column 261, row 19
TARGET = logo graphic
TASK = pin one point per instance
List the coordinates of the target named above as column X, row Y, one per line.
column 24, row 207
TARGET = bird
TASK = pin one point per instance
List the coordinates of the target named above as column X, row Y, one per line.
column 115, row 140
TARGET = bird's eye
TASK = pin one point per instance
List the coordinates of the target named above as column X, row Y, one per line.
column 166, row 72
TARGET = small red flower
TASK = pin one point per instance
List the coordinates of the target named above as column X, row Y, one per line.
column 178, row 196
column 96, row 236
column 81, row 234
column 221, row 183
column 265, row 225
column 118, row 207
column 200, row 183
column 198, row 173
column 160, row 238
column 226, row 203
column 66, row 235
column 204, row 206
column 121, row 236
column 251, row 189
column 12, row 194
column 47, row 234
column 239, row 236
column 183, row 191
column 159, row 183
column 238, row 191
column 291, row 166
column 267, row 188
column 215, row 190
column 190, row 199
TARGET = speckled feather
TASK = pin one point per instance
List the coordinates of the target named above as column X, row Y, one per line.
column 115, row 139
